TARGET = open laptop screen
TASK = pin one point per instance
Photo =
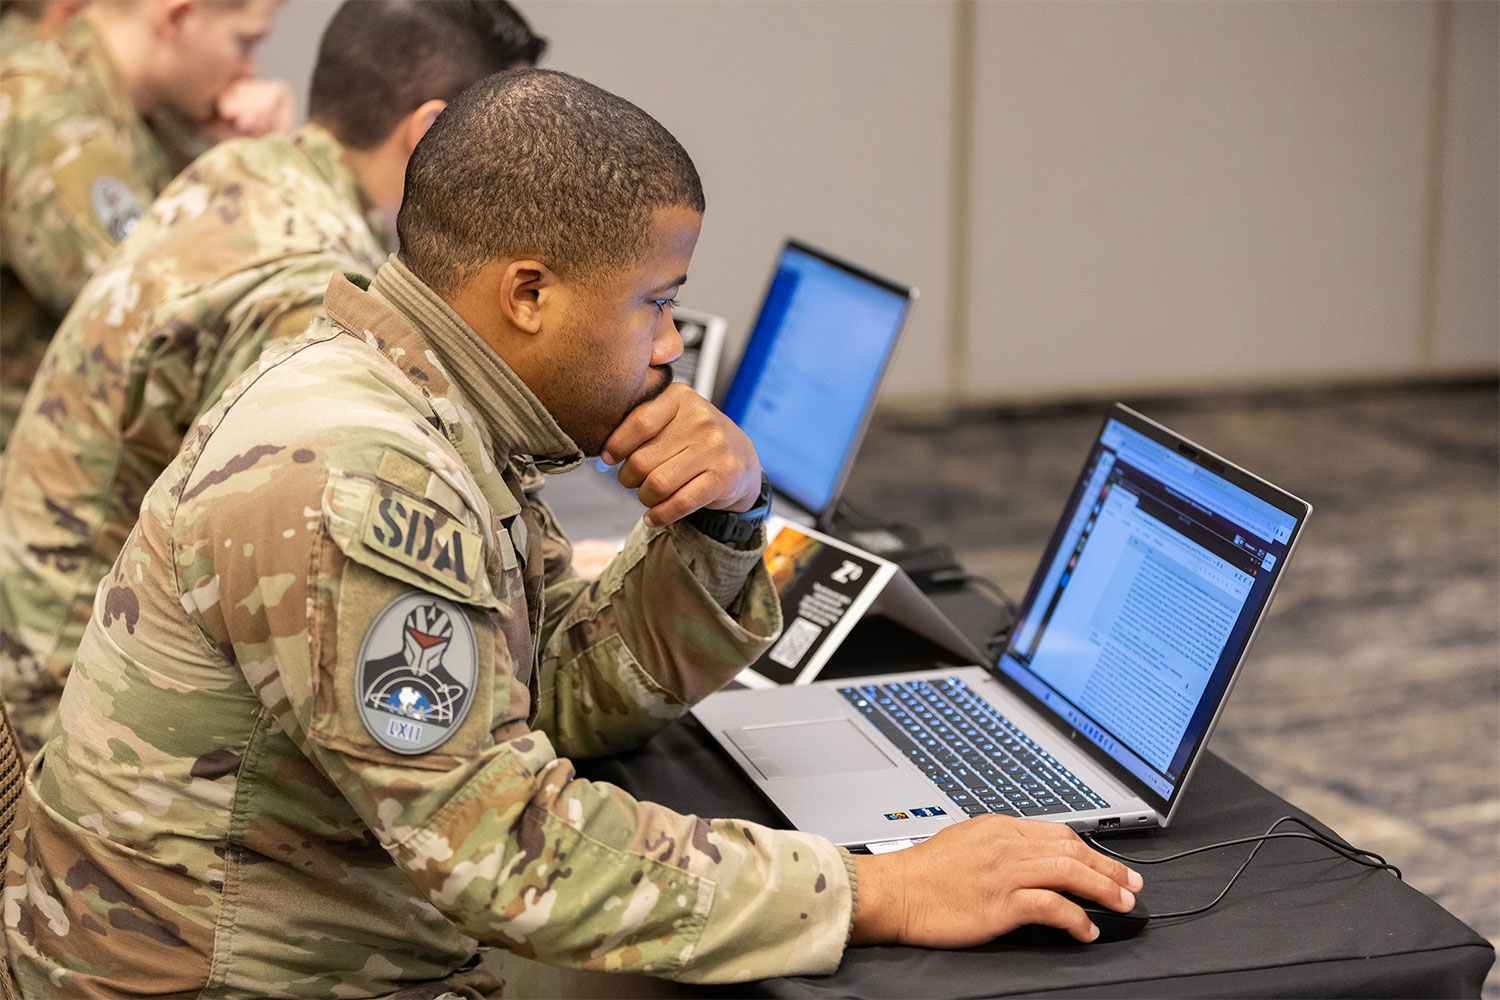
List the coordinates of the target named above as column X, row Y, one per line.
column 806, row 385
column 1151, row 589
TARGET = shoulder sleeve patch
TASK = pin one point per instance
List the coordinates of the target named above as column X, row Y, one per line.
column 415, row 673
column 423, row 537
column 117, row 207
column 403, row 471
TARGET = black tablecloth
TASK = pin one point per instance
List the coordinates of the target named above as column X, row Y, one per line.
column 1301, row 921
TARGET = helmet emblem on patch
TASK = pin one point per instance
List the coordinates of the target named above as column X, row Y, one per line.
column 415, row 678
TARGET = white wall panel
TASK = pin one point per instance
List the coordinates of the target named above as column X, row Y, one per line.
column 1171, row 193
column 289, row 52
column 1165, row 195
column 1466, row 321
column 828, row 121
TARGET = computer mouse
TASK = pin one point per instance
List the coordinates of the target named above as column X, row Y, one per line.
column 1113, row 925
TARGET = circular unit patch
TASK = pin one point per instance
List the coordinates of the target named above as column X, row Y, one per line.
column 414, row 679
column 116, row 205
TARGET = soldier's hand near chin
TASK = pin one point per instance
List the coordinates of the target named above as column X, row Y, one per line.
column 252, row 108
column 985, row 877
column 680, row 454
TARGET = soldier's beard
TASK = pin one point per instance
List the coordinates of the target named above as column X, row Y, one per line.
column 665, row 371
column 594, row 447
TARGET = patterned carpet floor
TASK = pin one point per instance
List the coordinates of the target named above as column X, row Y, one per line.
column 1372, row 695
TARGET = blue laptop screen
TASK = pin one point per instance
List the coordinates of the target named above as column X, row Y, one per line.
column 805, row 386
column 1150, row 591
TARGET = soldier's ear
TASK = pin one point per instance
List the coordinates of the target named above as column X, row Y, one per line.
column 416, row 124
column 507, row 302
column 168, row 16
column 524, row 291
column 60, row 12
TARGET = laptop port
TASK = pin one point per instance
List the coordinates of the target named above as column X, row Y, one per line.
column 1108, row 824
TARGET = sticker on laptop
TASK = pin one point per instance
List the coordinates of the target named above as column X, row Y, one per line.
column 415, row 674
column 921, row 811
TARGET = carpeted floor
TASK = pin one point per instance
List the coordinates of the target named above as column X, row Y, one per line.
column 1372, row 695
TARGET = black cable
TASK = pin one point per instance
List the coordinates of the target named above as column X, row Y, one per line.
column 1340, row 846
column 846, row 508
column 994, row 590
column 924, row 549
column 1000, row 636
column 916, row 548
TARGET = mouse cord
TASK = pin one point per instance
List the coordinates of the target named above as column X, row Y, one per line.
column 1361, row 857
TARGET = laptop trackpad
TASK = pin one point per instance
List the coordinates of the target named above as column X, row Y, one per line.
column 808, row 749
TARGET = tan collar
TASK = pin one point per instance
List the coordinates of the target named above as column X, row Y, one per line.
column 467, row 383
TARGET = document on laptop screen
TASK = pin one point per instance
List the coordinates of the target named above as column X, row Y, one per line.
column 806, row 382
column 1146, row 602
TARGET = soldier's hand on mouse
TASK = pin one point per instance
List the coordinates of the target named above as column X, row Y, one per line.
column 680, row 454
column 984, row 877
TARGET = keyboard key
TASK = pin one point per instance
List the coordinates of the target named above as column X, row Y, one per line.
column 969, row 749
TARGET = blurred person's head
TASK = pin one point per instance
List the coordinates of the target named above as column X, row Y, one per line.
column 48, row 17
column 558, row 220
column 181, row 56
column 386, row 69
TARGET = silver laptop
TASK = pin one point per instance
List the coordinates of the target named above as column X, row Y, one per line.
column 1125, row 649
column 803, row 391
column 806, row 385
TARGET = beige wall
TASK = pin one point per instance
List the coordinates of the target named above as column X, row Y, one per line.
column 828, row 121
column 1466, row 307
column 1095, row 197
column 1167, row 192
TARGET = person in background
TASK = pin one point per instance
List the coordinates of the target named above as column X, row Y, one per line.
column 235, row 253
column 26, row 21
column 91, row 129
column 315, row 741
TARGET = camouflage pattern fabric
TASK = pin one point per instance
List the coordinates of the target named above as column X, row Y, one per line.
column 236, row 252
column 16, row 30
column 78, row 166
column 311, row 743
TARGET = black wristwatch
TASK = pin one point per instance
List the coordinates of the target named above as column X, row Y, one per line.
column 731, row 527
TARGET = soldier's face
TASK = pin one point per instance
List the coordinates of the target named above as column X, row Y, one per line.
column 616, row 339
column 209, row 48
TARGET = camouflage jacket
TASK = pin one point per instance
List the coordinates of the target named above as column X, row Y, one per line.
column 16, row 30
column 236, row 252
column 311, row 743
column 78, row 166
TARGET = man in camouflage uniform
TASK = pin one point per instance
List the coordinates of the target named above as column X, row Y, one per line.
column 236, row 252
column 82, row 149
column 310, row 746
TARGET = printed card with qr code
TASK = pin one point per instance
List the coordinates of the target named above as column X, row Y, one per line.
column 825, row 586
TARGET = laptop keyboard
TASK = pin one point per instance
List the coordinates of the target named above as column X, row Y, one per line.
column 968, row 749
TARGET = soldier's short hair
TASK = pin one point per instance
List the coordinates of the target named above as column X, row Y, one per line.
column 380, row 60
column 539, row 164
